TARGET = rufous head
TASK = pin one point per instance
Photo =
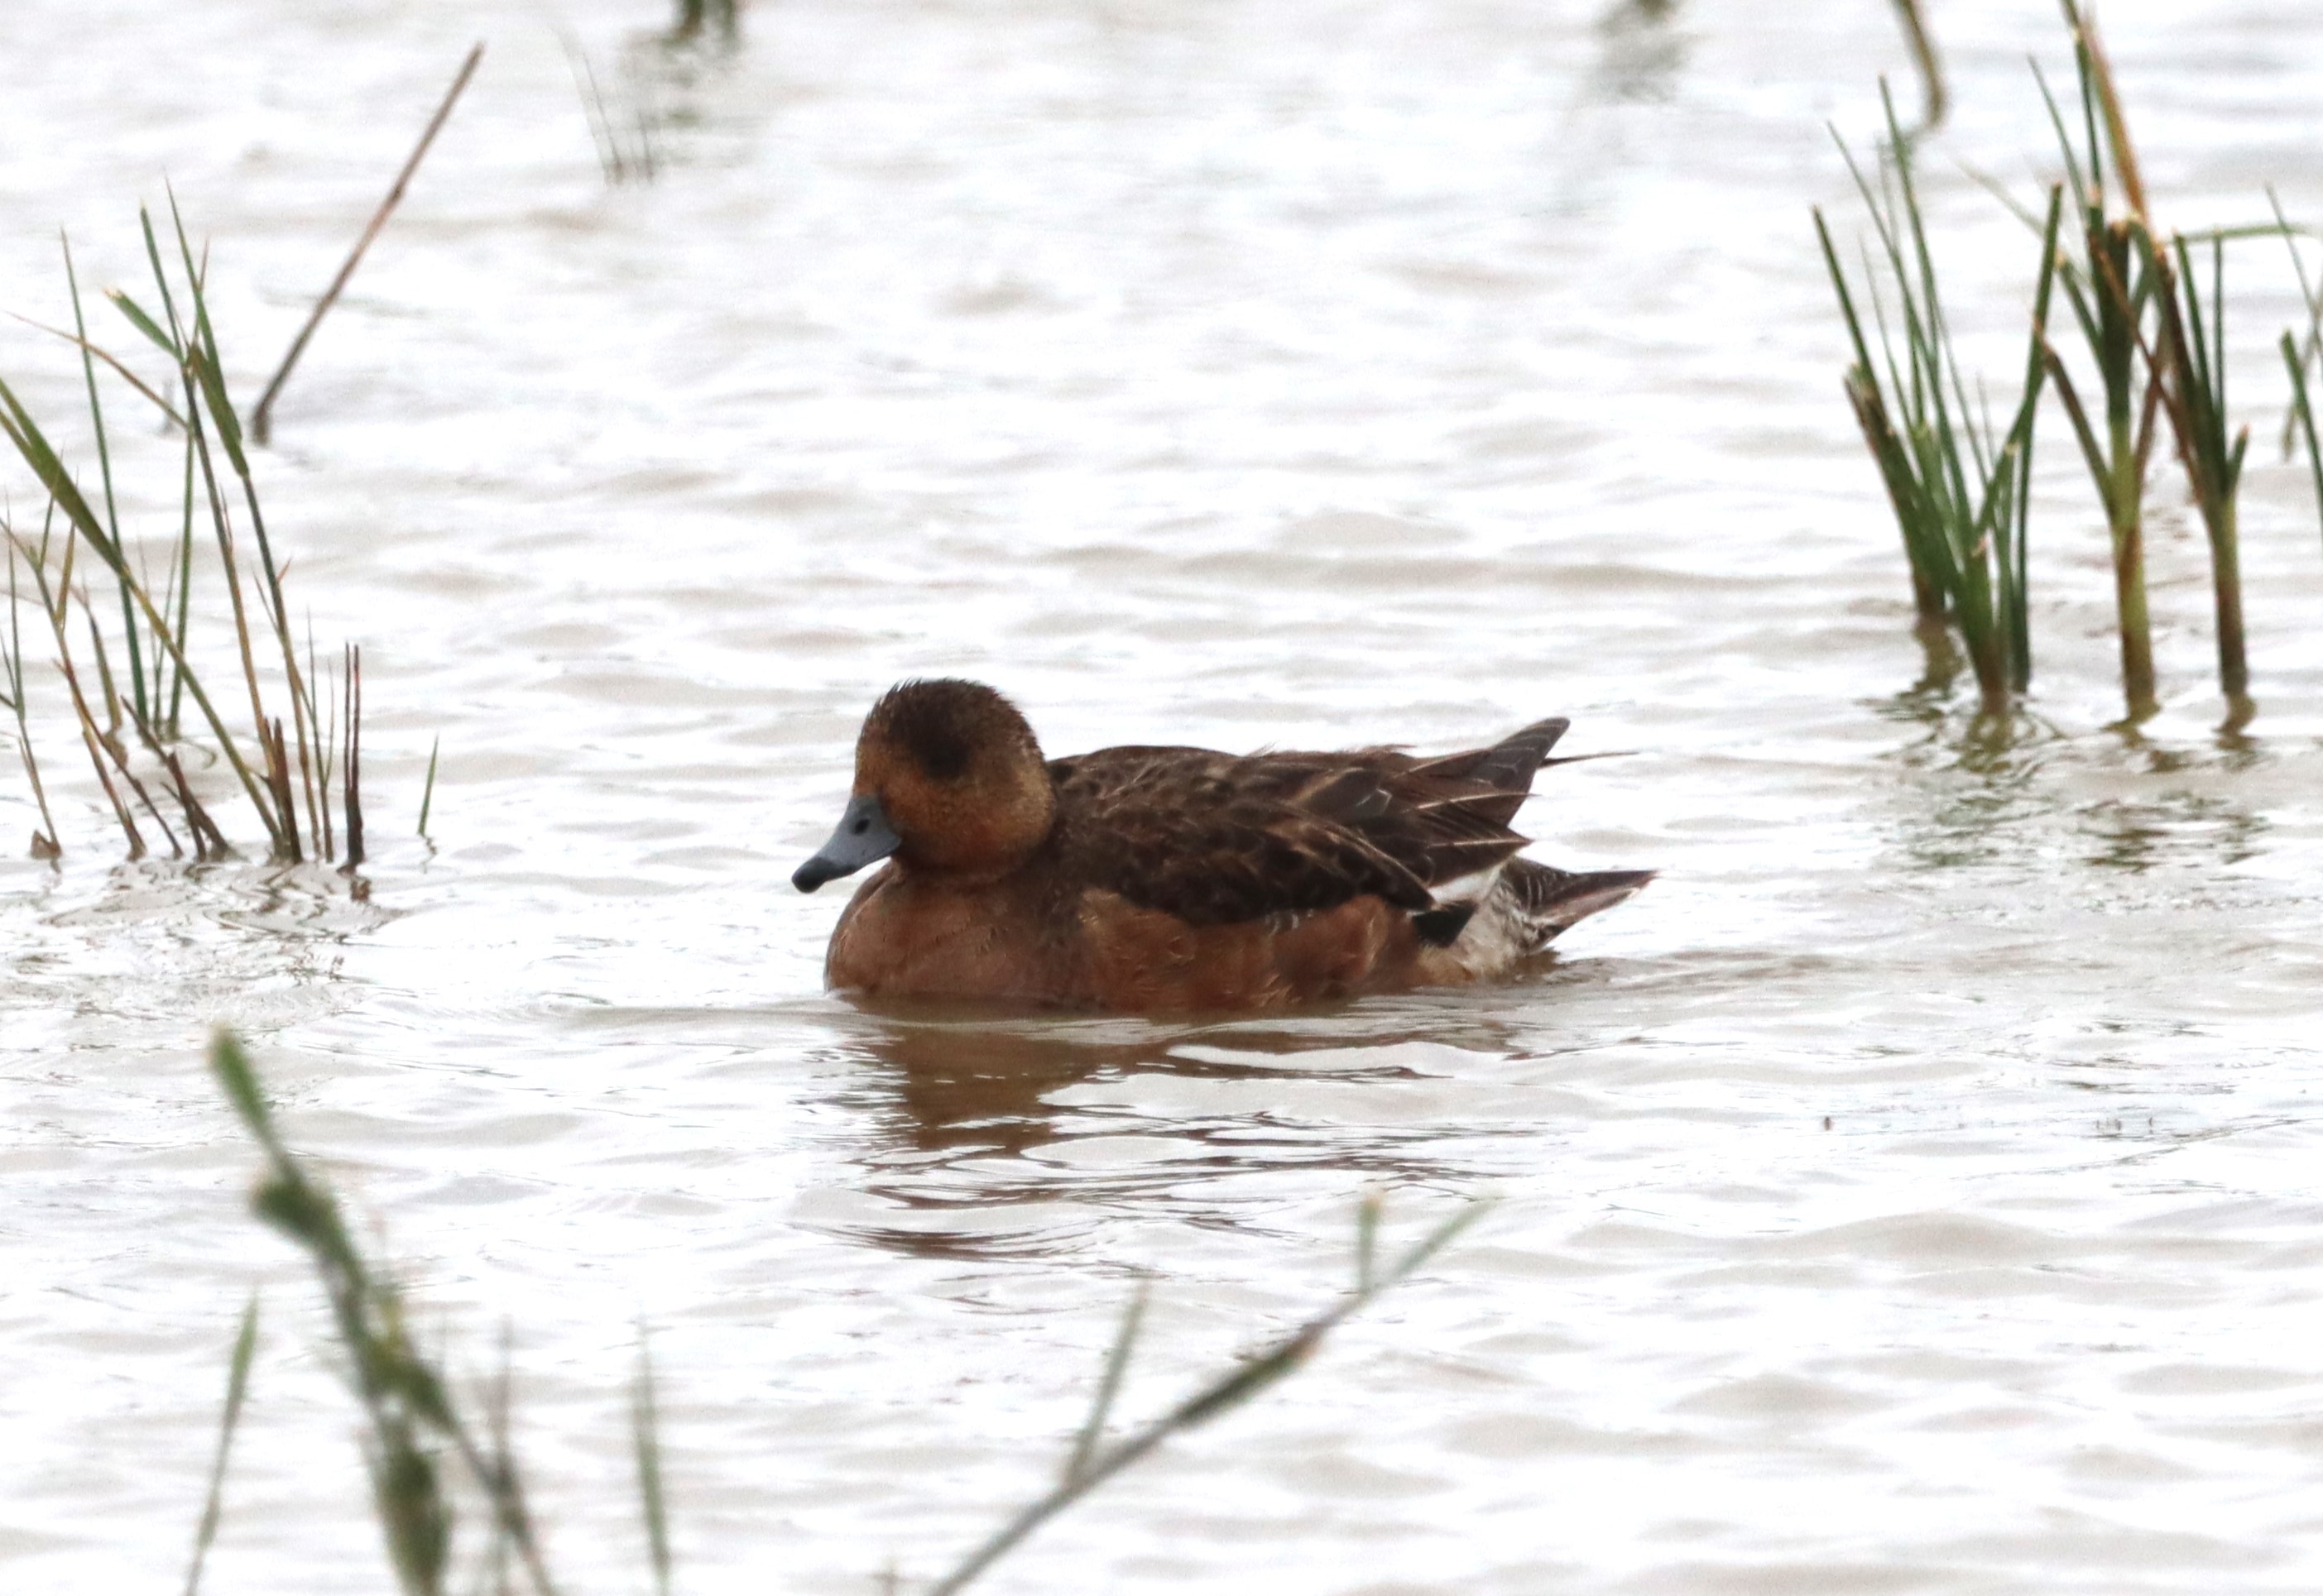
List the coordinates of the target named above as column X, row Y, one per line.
column 949, row 778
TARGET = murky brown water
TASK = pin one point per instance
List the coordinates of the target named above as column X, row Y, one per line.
column 1916, row 1190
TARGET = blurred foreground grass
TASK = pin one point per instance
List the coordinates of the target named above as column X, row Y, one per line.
column 431, row 1458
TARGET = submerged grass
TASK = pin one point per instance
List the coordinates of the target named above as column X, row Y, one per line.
column 419, row 1433
column 284, row 771
column 1958, row 486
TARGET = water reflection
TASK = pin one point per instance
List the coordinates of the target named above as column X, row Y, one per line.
column 296, row 903
column 1977, row 779
column 962, row 1088
column 2179, row 828
column 2016, row 791
column 1003, row 1135
column 1644, row 51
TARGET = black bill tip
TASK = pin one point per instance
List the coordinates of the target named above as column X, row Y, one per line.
column 814, row 872
column 863, row 838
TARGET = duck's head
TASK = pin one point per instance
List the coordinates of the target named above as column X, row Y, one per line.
column 949, row 778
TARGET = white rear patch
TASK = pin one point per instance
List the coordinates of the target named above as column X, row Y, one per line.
column 1470, row 888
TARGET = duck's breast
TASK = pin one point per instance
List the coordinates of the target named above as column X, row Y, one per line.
column 902, row 937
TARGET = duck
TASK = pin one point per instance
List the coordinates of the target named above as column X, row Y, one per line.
column 1160, row 880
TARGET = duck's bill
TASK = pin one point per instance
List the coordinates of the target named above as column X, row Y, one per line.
column 864, row 837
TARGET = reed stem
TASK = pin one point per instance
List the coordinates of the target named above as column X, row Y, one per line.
column 45, row 845
column 354, row 756
column 2227, row 586
column 261, row 421
column 54, row 604
column 1936, row 96
column 427, row 793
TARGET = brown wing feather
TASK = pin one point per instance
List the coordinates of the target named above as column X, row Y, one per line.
column 1212, row 838
column 1215, row 839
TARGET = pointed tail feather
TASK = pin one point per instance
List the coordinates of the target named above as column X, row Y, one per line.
column 1550, row 900
column 1511, row 761
column 1502, row 772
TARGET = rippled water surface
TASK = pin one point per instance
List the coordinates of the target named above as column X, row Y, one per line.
column 1916, row 1190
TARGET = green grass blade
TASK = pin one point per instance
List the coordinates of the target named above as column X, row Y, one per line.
column 237, row 1385
column 2087, row 195
column 2219, row 324
column 1839, row 286
column 2303, row 413
column 145, row 323
column 1238, row 1384
column 427, row 793
column 1108, row 1387
column 644, row 1438
column 104, row 471
column 176, row 341
column 2093, row 454
column 1432, row 1243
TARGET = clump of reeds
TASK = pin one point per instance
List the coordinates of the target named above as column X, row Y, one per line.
column 2112, row 290
column 2184, row 356
column 284, row 769
column 2155, row 324
column 416, row 1423
column 1958, row 485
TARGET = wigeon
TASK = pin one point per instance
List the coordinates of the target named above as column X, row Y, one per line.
column 1153, row 880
